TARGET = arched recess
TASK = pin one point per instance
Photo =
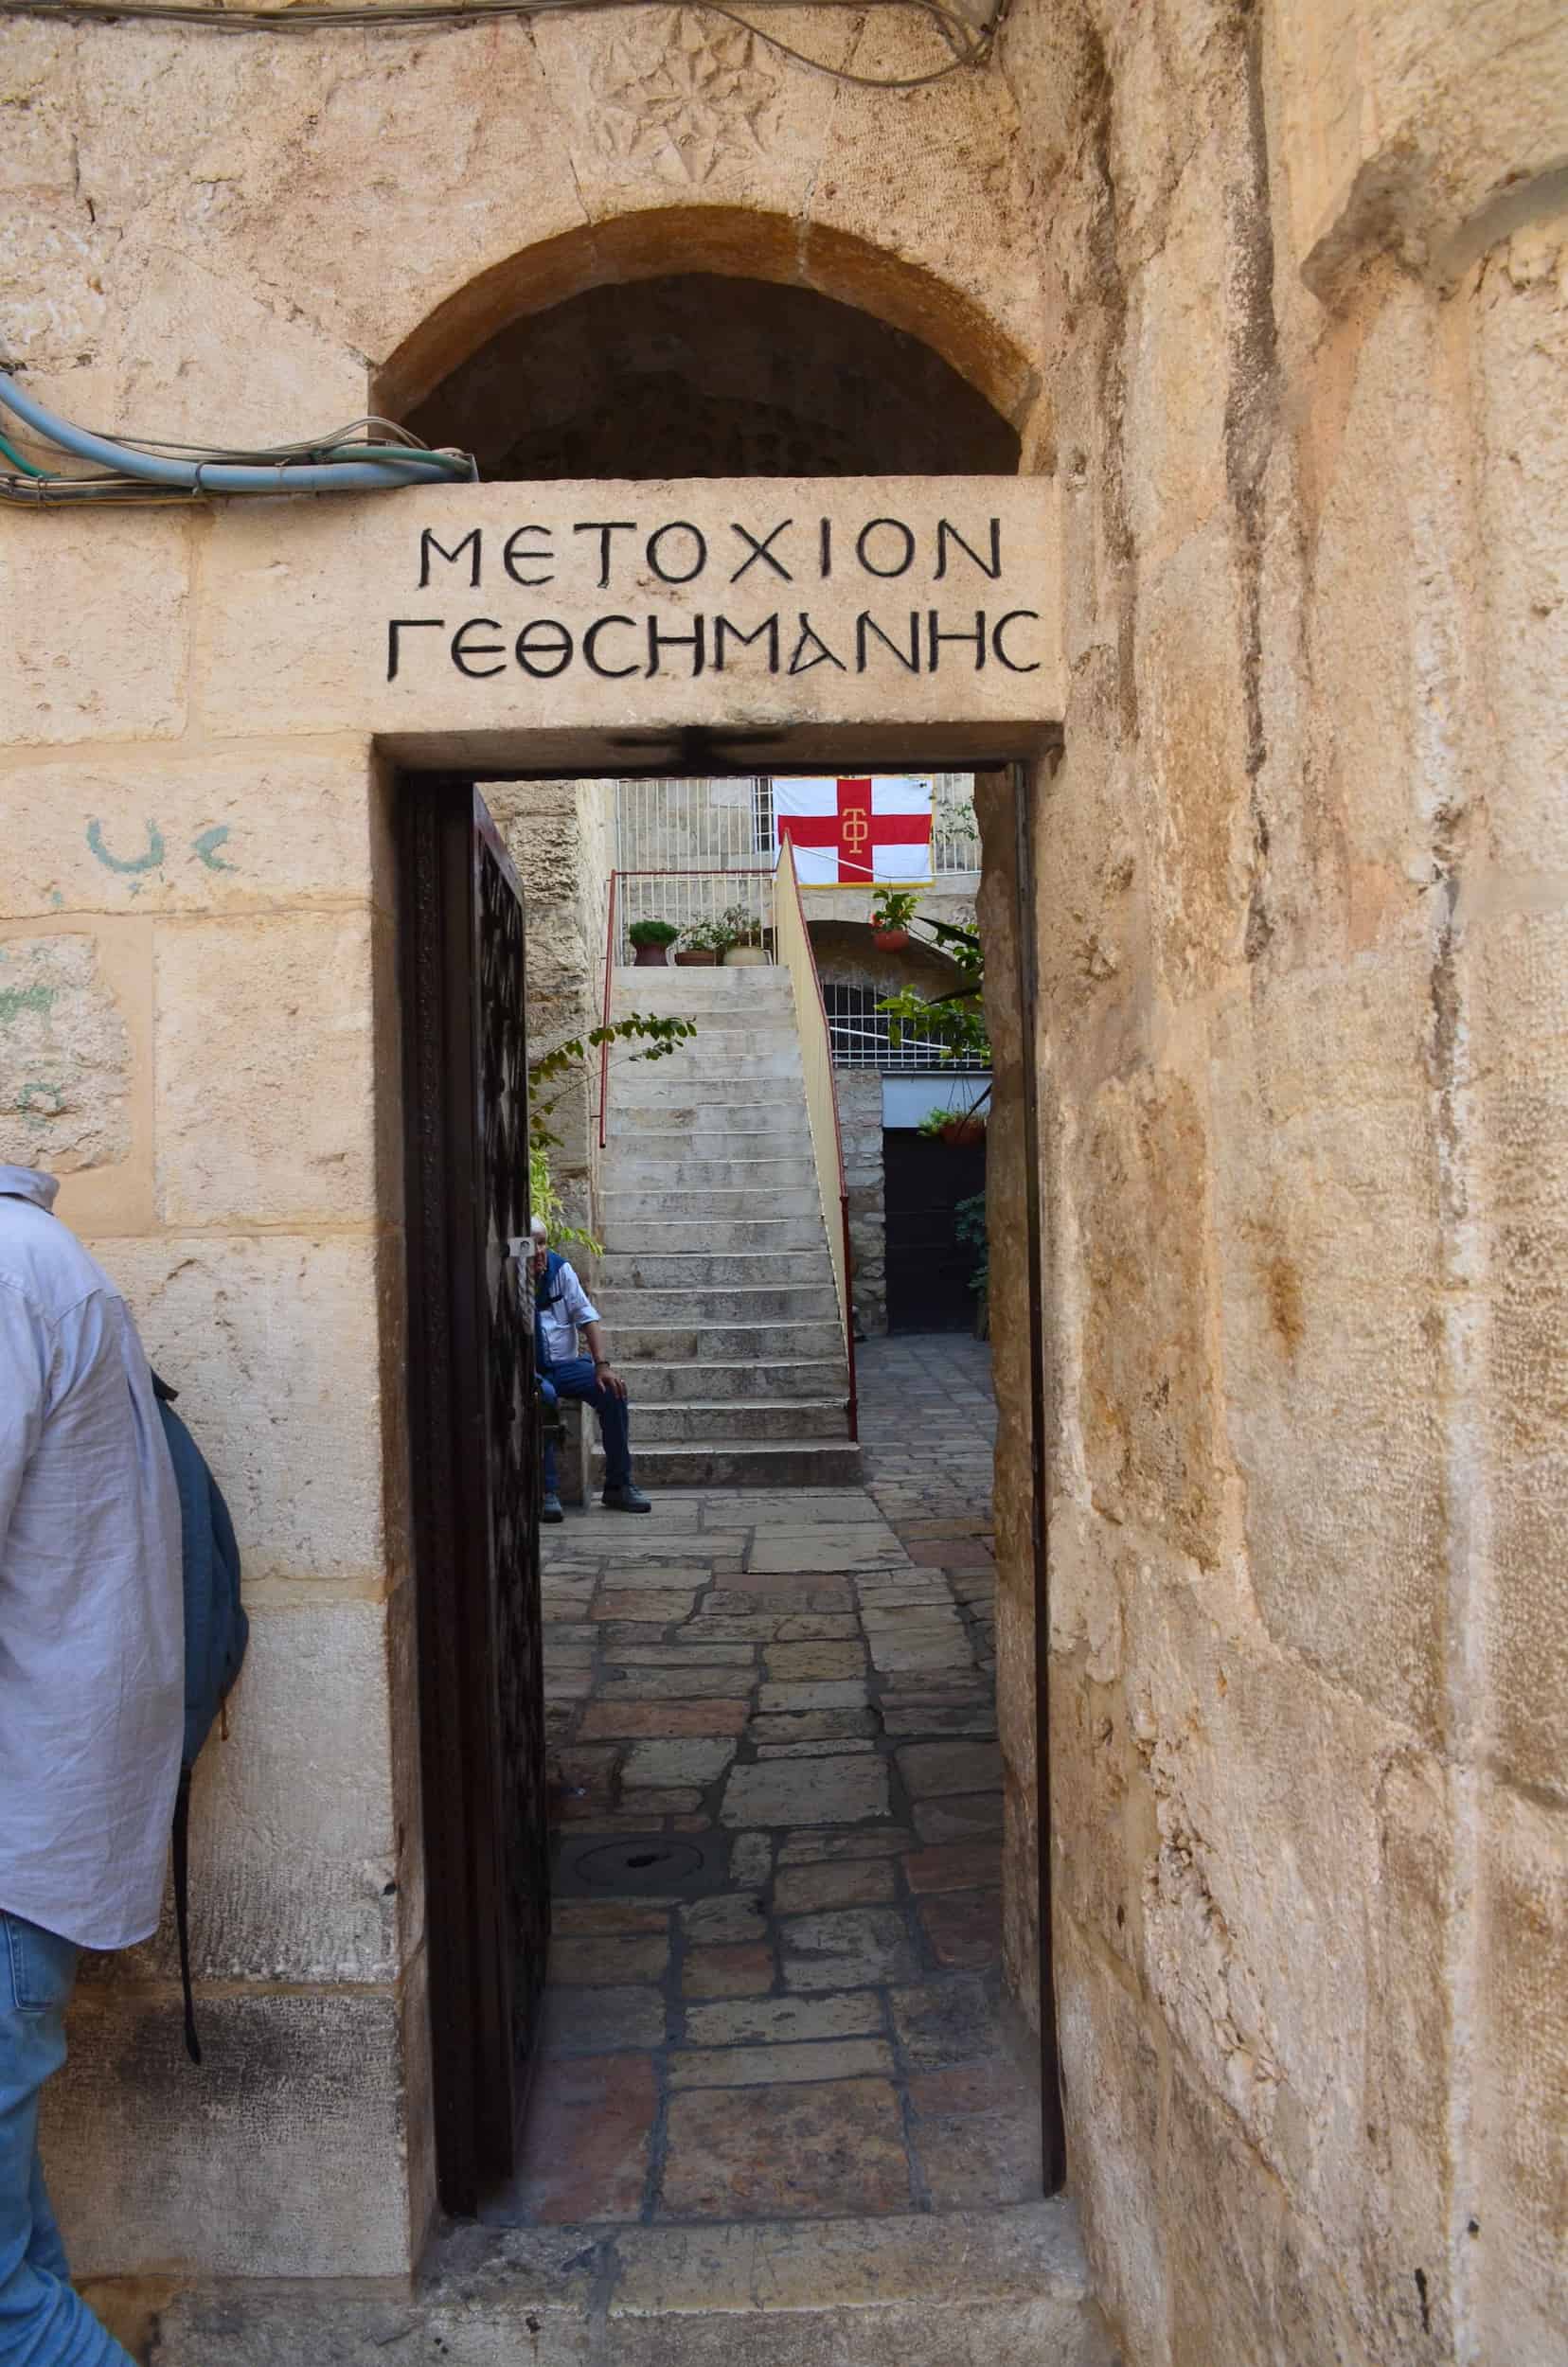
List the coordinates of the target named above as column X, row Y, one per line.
column 695, row 376
column 724, row 243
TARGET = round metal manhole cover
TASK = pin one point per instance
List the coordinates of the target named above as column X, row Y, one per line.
column 654, row 1864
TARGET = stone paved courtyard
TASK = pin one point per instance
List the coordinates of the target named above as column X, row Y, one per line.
column 774, row 1977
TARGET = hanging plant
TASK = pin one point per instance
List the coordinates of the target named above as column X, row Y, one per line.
column 890, row 918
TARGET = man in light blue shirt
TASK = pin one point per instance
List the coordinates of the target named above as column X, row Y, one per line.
column 92, row 1687
column 561, row 1308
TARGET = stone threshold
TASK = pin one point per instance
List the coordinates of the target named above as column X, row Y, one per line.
column 995, row 2288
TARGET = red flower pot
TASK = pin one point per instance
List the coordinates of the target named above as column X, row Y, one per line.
column 890, row 940
column 651, row 956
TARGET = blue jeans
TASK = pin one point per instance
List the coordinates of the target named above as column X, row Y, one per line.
column 574, row 1378
column 43, row 2323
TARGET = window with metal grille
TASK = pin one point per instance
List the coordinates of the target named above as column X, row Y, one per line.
column 762, row 816
column 861, row 1036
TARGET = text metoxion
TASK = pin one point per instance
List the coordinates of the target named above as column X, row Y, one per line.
column 623, row 555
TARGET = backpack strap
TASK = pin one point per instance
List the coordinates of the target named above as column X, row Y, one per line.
column 181, row 1908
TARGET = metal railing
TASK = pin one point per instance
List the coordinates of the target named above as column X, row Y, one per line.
column 792, row 951
column 728, row 825
column 682, row 897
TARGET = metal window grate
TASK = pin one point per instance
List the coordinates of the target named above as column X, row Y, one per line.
column 860, row 1037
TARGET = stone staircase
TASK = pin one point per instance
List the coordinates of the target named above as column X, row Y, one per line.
column 716, row 1286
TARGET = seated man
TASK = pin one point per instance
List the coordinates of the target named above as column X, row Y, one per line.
column 560, row 1305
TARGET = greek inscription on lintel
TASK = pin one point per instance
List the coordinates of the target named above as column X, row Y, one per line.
column 934, row 596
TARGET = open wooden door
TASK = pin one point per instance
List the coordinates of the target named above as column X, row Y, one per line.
column 474, row 1476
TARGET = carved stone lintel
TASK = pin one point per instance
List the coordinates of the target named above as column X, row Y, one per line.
column 684, row 96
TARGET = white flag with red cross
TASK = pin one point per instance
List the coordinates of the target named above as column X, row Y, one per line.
column 856, row 830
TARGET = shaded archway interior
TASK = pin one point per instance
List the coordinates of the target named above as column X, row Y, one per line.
column 695, row 374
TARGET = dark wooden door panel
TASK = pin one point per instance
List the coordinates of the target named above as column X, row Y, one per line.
column 928, row 1272
column 472, row 1426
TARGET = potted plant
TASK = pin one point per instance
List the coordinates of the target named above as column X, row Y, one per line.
column 891, row 915
column 956, row 1128
column 702, row 944
column 650, row 941
column 742, row 937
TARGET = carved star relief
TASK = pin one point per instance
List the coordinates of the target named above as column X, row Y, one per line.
column 684, row 97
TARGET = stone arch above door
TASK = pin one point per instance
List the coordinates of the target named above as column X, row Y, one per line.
column 723, row 243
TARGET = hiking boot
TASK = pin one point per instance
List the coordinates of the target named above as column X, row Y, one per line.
column 550, row 1509
column 627, row 1499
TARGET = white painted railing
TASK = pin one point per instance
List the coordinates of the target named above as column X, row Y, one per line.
column 683, row 897
column 703, row 824
column 792, row 951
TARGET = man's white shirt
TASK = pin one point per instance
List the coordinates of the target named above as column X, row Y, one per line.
column 562, row 1318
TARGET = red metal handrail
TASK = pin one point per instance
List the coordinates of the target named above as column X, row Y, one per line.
column 609, row 983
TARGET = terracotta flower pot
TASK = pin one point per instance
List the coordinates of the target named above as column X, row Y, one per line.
column 890, row 940
column 697, row 958
column 651, row 956
column 960, row 1131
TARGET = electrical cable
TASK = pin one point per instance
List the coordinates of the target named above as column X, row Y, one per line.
column 971, row 44
column 334, row 464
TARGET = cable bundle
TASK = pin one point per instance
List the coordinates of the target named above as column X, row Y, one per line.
column 368, row 455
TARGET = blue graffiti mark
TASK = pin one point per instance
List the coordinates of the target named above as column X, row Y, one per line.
column 130, row 865
column 56, row 899
column 206, row 844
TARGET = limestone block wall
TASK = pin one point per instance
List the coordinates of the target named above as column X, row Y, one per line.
column 860, row 1108
column 198, row 1032
column 561, row 836
column 1300, row 928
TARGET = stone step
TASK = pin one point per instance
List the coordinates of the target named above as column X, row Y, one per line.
column 635, row 1171
column 658, row 1084
column 707, row 1421
column 706, row 1269
column 783, row 1304
column 719, row 1235
column 787, row 1134
column 767, row 1202
column 760, row 1031
column 749, row 983
column 735, row 1463
column 747, row 1109
column 639, row 1342
column 706, row 1380
column 1008, row 2286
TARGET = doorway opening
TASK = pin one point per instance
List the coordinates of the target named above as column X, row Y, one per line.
column 769, row 1787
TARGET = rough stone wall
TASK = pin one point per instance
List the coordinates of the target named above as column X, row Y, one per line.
column 560, row 837
column 1301, row 937
column 198, row 1031
column 860, row 1108
column 248, row 239
column 1279, row 291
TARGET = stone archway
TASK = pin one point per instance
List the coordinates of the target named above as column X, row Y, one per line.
column 725, row 243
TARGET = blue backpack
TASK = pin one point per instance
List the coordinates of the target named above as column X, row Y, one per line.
column 215, row 1632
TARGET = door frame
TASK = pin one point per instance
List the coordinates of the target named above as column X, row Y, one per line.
column 465, row 1850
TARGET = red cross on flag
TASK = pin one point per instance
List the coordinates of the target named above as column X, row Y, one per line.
column 849, row 832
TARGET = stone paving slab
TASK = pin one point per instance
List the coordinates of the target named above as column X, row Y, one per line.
column 798, row 1682
column 783, row 1792
column 817, row 2150
column 858, row 1545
